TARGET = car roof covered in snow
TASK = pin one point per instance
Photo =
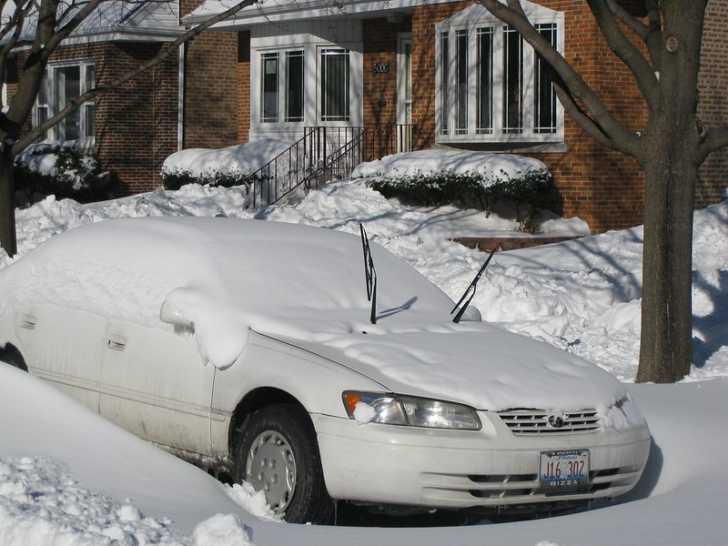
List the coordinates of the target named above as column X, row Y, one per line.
column 209, row 268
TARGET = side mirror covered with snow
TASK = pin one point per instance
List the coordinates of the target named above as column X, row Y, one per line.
column 171, row 314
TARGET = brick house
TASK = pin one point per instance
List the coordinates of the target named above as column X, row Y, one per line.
column 420, row 72
column 450, row 71
column 132, row 129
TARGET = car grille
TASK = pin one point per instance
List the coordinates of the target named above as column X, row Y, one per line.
column 520, row 487
column 522, row 422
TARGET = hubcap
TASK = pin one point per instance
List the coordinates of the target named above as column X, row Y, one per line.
column 271, row 468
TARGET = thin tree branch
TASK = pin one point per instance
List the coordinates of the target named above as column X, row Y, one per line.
column 715, row 139
column 637, row 26
column 627, row 51
column 581, row 117
column 165, row 52
column 620, row 138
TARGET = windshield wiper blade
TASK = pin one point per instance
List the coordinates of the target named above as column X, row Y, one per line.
column 469, row 294
column 370, row 274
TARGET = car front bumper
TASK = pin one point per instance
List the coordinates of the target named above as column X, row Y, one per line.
column 459, row 469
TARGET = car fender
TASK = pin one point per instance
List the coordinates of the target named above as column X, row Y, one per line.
column 315, row 382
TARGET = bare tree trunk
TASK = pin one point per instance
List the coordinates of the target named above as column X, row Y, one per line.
column 666, row 342
column 7, row 203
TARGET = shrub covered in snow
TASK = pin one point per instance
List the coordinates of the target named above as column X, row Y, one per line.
column 232, row 166
column 470, row 179
column 53, row 169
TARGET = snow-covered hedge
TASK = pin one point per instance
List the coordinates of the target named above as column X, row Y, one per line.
column 52, row 169
column 232, row 166
column 472, row 179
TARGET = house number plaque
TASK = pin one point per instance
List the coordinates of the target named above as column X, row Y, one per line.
column 381, row 68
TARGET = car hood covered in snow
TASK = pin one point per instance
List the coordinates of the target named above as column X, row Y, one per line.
column 483, row 366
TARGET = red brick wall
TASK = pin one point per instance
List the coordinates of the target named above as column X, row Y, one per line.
column 603, row 187
column 136, row 126
column 380, row 89
column 212, row 88
column 713, row 106
column 243, row 75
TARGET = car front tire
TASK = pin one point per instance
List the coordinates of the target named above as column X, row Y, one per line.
column 276, row 451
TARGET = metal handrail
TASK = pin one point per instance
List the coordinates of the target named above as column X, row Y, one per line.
column 307, row 161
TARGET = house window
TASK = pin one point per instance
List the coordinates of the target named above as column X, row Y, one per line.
column 335, row 86
column 512, row 81
column 492, row 86
column 544, row 95
column 444, row 61
column 281, row 86
column 294, row 86
column 61, row 84
column 484, row 102
column 270, row 87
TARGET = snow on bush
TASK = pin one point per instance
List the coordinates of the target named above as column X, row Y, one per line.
column 471, row 179
column 52, row 169
column 490, row 167
column 230, row 166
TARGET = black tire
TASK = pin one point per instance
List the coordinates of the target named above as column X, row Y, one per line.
column 9, row 354
column 310, row 501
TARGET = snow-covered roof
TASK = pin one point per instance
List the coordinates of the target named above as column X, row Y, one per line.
column 115, row 20
column 269, row 11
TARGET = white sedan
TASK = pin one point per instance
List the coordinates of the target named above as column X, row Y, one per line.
column 254, row 348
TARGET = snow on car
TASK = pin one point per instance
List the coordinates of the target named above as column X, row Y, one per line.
column 249, row 345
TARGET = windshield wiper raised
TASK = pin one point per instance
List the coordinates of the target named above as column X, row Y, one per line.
column 470, row 291
column 370, row 274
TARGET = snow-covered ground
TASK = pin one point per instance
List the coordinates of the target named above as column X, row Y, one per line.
column 582, row 296
column 58, row 488
column 68, row 478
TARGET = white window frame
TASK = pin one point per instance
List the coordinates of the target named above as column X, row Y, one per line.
column 301, row 36
column 471, row 19
column 53, row 134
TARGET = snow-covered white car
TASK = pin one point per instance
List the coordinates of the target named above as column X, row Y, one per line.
column 248, row 345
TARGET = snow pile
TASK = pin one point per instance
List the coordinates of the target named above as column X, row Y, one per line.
column 582, row 296
column 70, row 478
column 233, row 162
column 490, row 167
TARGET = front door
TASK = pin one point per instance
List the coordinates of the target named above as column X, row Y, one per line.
column 404, row 92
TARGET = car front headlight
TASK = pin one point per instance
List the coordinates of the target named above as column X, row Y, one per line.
column 396, row 409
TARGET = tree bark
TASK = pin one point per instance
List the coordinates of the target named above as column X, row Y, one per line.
column 7, row 203
column 666, row 341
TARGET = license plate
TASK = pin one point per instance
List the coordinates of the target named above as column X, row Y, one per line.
column 564, row 472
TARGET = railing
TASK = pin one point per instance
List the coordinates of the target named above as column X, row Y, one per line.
column 324, row 154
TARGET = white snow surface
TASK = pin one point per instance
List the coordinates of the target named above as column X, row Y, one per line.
column 68, row 478
column 492, row 167
column 582, row 296
column 238, row 160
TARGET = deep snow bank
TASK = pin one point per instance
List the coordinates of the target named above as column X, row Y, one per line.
column 65, row 475
column 582, row 296
column 68, row 478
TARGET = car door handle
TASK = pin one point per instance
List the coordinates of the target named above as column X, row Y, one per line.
column 28, row 322
column 116, row 342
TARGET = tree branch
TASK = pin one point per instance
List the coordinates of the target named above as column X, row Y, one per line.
column 637, row 26
column 619, row 137
column 715, row 139
column 581, row 117
column 627, row 51
column 165, row 52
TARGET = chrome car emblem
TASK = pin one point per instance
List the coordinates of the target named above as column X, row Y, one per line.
column 556, row 420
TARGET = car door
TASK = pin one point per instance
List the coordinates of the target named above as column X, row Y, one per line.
column 63, row 346
column 154, row 384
